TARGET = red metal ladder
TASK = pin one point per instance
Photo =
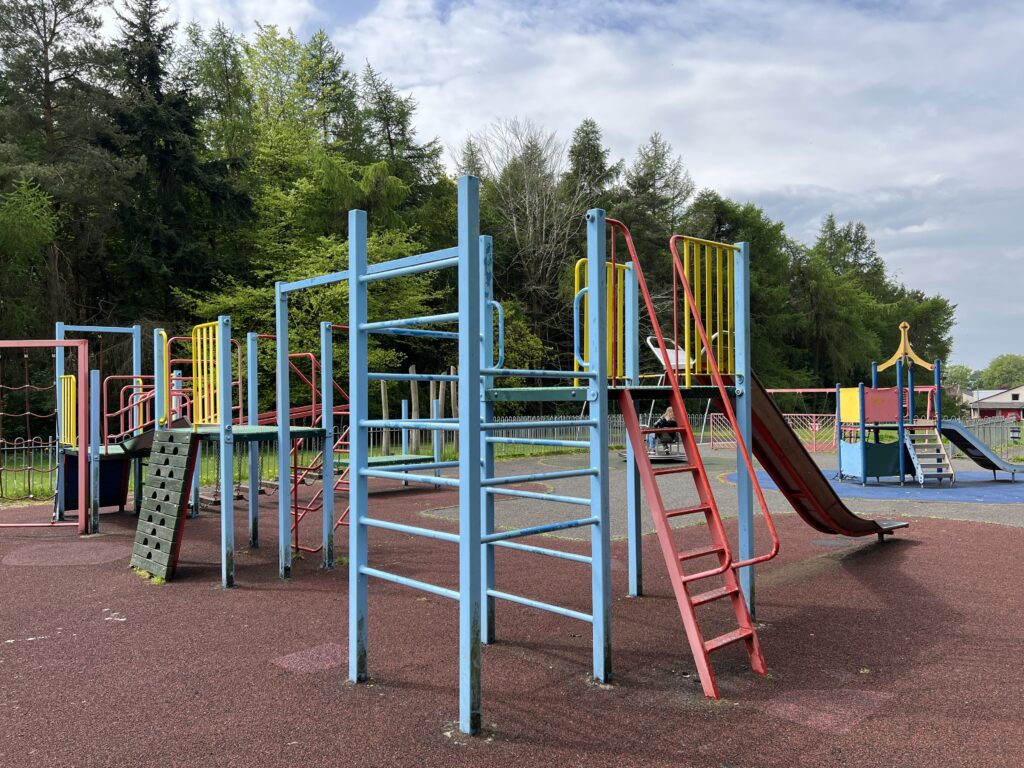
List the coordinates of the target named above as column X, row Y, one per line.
column 685, row 583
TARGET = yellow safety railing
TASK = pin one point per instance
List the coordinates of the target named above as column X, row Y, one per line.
column 616, row 311
column 69, row 410
column 708, row 269
column 205, row 384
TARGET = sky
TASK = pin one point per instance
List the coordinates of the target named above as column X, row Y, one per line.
column 908, row 116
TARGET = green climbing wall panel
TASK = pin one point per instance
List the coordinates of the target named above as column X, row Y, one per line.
column 164, row 501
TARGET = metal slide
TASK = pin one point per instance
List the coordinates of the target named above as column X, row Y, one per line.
column 976, row 450
column 785, row 459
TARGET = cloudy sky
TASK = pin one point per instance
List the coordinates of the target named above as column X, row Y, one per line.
column 908, row 116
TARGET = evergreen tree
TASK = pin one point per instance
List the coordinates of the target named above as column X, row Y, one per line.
column 589, row 168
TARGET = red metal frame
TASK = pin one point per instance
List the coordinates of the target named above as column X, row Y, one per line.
column 82, row 348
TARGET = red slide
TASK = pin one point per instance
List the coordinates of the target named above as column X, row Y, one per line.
column 785, row 459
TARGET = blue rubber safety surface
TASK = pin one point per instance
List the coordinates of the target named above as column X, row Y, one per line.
column 970, row 488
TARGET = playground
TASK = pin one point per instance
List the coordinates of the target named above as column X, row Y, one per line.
column 649, row 599
column 867, row 644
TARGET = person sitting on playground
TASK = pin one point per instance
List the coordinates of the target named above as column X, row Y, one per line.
column 666, row 439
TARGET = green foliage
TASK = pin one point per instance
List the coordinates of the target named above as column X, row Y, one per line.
column 28, row 225
column 1004, row 372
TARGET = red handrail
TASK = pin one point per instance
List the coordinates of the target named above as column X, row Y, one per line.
column 716, row 376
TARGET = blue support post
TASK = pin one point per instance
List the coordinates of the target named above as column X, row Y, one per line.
column 874, row 385
column 839, row 433
column 58, row 365
column 634, row 528
column 405, row 434
column 159, row 383
column 938, row 397
column 327, row 420
column 597, row 396
column 900, row 428
column 469, row 453
column 136, row 421
column 744, row 375
column 227, row 453
column 94, row 452
column 253, row 419
column 436, row 436
column 486, row 447
column 284, row 436
column 359, row 400
column 862, row 432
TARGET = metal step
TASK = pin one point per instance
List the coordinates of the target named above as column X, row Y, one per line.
column 712, row 595
column 727, row 639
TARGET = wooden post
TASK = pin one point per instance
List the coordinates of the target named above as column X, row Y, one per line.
column 414, row 404
column 385, row 433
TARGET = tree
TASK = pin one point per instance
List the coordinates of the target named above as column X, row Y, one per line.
column 1004, row 372
column 331, row 91
column 589, row 169
column 28, row 226
column 961, row 377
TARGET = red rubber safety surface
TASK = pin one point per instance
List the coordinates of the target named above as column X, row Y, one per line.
column 906, row 653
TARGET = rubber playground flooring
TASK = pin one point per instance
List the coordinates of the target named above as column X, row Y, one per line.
column 905, row 653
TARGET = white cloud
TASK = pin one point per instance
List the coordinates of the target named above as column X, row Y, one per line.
column 904, row 115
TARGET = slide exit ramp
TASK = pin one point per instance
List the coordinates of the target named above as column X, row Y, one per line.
column 784, row 458
column 977, row 451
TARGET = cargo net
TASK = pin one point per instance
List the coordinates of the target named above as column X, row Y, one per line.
column 28, row 425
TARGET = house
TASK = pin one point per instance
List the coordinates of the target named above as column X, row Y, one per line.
column 1008, row 403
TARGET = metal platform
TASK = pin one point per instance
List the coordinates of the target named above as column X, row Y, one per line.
column 579, row 394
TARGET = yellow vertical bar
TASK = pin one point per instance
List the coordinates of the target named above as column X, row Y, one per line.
column 718, row 305
column 620, row 370
column 697, row 295
column 709, row 300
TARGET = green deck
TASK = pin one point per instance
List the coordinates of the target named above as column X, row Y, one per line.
column 579, row 394
column 341, row 460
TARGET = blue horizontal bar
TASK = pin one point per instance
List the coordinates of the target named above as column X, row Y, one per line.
column 543, row 551
column 539, row 441
column 534, row 530
column 98, row 329
column 404, row 322
column 417, row 332
column 412, row 530
column 582, row 423
column 431, row 465
column 448, row 423
column 538, row 477
column 567, row 612
column 405, row 581
column 408, row 265
column 451, row 482
column 413, row 269
column 412, row 377
column 526, row 372
column 541, row 496
column 313, row 282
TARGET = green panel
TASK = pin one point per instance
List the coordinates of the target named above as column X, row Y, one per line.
column 537, row 394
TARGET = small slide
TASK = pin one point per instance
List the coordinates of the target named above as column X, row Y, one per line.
column 789, row 464
column 977, row 451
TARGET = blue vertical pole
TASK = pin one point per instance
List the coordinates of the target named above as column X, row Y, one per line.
column 327, row 420
column 284, row 435
column 899, row 420
column 94, row 452
column 862, row 432
column 159, row 383
column 744, row 375
column 359, row 411
column 405, row 434
column 486, row 448
column 634, row 529
column 136, row 421
column 470, row 294
column 58, row 371
column 938, row 397
column 253, row 419
column 436, row 435
column 839, row 432
column 597, row 397
column 227, row 453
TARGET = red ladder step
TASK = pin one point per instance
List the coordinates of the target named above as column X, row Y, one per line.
column 693, row 554
column 728, row 638
column 695, row 510
column 712, row 595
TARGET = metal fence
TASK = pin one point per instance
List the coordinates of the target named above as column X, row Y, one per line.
column 1001, row 434
column 817, row 431
column 28, row 469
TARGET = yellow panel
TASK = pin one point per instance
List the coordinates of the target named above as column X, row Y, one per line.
column 69, row 410
column 615, row 311
column 205, row 385
column 849, row 405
